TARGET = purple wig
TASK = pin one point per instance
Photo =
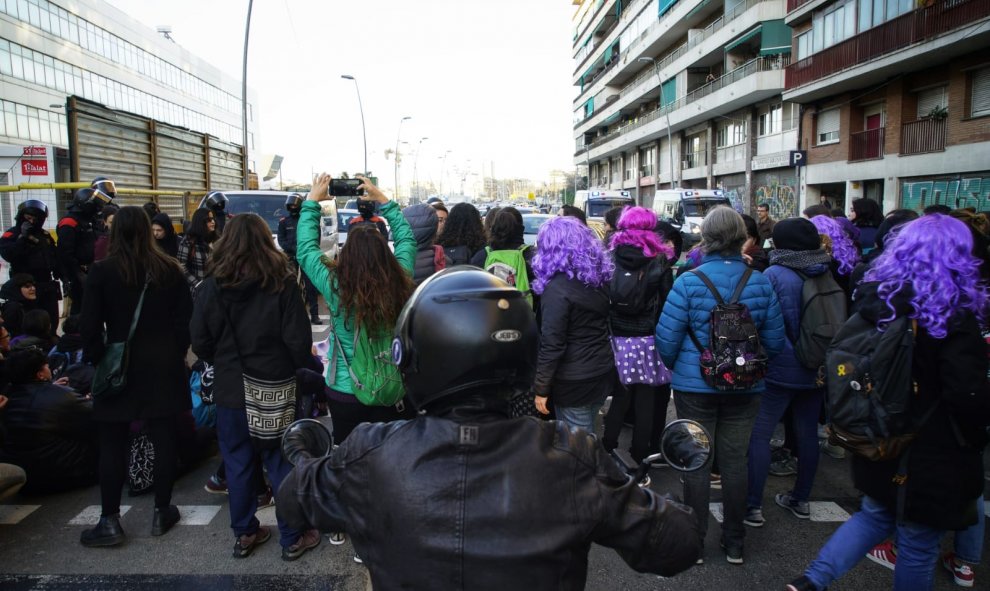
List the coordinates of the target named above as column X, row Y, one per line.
column 565, row 245
column 932, row 256
column 843, row 250
column 636, row 228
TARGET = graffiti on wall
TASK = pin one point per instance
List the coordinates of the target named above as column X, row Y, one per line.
column 779, row 192
column 955, row 192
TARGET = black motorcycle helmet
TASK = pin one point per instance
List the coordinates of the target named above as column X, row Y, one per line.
column 463, row 328
column 104, row 185
column 215, row 201
column 90, row 201
column 293, row 203
column 367, row 208
column 34, row 208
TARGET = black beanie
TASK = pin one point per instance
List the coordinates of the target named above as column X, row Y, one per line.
column 796, row 234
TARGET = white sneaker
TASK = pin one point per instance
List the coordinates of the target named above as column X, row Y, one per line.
column 357, row 559
column 336, row 538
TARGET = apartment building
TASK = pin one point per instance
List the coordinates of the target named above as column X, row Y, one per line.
column 686, row 93
column 895, row 99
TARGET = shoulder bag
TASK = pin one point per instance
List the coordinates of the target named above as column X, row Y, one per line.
column 110, row 378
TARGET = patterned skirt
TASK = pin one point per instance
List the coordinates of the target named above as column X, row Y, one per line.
column 638, row 362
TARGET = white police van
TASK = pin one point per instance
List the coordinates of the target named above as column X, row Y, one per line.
column 595, row 202
column 686, row 208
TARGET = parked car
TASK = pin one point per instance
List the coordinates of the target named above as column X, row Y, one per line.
column 344, row 217
column 531, row 225
column 270, row 205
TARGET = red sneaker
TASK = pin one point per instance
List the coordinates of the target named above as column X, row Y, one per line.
column 884, row 554
column 962, row 573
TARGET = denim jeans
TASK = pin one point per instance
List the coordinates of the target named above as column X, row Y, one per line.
column 969, row 542
column 917, row 548
column 238, row 458
column 729, row 419
column 579, row 416
column 805, row 406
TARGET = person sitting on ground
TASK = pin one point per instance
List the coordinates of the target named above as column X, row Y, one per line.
column 20, row 297
column 36, row 331
column 50, row 430
column 430, row 258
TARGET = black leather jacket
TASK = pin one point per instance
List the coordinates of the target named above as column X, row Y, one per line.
column 470, row 499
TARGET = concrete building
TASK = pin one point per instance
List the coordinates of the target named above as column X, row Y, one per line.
column 50, row 50
column 686, row 93
column 895, row 99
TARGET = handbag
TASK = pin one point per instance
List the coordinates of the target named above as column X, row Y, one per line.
column 110, row 378
column 270, row 405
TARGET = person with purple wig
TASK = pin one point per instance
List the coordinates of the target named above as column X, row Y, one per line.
column 645, row 383
column 926, row 273
column 844, row 253
column 575, row 369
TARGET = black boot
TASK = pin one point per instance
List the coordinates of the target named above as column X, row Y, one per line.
column 106, row 533
column 315, row 320
column 164, row 519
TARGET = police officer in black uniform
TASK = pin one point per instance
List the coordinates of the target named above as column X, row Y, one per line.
column 30, row 249
column 216, row 202
column 77, row 237
column 287, row 242
column 463, row 497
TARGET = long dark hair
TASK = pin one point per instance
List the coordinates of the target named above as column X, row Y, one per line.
column 507, row 229
column 370, row 282
column 463, row 228
column 170, row 243
column 132, row 247
column 198, row 229
column 868, row 212
column 246, row 254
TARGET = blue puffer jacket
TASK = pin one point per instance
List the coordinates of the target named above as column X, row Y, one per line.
column 691, row 301
column 785, row 370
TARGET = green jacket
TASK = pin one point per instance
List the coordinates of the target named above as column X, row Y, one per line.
column 309, row 256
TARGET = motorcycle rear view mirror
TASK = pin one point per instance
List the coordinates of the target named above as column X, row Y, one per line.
column 306, row 439
column 686, row 446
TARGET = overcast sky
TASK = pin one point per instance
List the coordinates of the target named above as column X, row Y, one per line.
column 488, row 80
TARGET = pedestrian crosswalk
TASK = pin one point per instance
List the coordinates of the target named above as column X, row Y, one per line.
column 318, row 328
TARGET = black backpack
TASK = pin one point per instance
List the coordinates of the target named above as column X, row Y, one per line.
column 734, row 359
column 634, row 305
column 823, row 312
column 869, row 387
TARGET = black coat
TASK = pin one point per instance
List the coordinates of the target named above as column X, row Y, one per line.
column 49, row 433
column 273, row 336
column 515, row 505
column 34, row 254
column 945, row 468
column 658, row 281
column 157, row 382
column 76, row 245
column 574, row 343
column 14, row 307
column 287, row 235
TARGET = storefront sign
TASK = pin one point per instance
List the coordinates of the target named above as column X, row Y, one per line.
column 34, row 167
column 778, row 160
column 35, row 151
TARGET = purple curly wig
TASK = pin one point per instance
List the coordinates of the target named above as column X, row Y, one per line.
column 932, row 256
column 565, row 245
column 843, row 250
column 636, row 228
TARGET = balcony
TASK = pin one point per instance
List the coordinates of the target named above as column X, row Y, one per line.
column 923, row 136
column 793, row 5
column 866, row 145
column 914, row 27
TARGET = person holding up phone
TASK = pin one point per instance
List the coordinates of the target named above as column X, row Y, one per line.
column 365, row 288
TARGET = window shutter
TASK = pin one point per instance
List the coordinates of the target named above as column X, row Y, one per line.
column 929, row 100
column 981, row 93
column 828, row 121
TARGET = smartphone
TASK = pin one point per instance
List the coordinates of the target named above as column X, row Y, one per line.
column 345, row 188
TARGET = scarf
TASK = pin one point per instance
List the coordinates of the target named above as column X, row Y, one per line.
column 799, row 260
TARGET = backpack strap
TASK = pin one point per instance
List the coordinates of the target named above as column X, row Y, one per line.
column 741, row 286
column 711, row 286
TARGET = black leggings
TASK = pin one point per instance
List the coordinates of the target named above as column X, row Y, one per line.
column 115, row 453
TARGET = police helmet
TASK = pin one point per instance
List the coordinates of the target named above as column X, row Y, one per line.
column 215, row 201
column 90, row 201
column 294, row 202
column 102, row 184
column 463, row 328
column 35, row 208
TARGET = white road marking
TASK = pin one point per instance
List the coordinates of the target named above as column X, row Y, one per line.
column 197, row 514
column 266, row 516
column 13, row 514
column 91, row 515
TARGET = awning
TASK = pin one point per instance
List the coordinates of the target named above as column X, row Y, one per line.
column 589, row 107
column 612, row 118
column 668, row 92
column 618, row 8
column 666, row 5
column 693, row 12
column 608, row 53
column 746, row 37
column 776, row 38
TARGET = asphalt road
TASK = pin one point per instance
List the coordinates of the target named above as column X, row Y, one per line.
column 40, row 550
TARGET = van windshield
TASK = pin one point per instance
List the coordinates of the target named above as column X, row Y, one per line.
column 700, row 207
column 598, row 207
column 271, row 208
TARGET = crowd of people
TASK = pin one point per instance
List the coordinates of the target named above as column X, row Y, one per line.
column 556, row 330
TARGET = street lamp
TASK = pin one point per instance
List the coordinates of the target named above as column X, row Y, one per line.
column 416, row 168
column 364, row 135
column 670, row 141
column 244, row 129
column 396, row 155
column 442, row 167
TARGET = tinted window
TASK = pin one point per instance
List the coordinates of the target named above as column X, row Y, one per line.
column 700, row 208
column 531, row 224
column 598, row 207
column 271, row 208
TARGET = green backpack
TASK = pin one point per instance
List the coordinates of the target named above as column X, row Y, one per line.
column 377, row 380
column 510, row 266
